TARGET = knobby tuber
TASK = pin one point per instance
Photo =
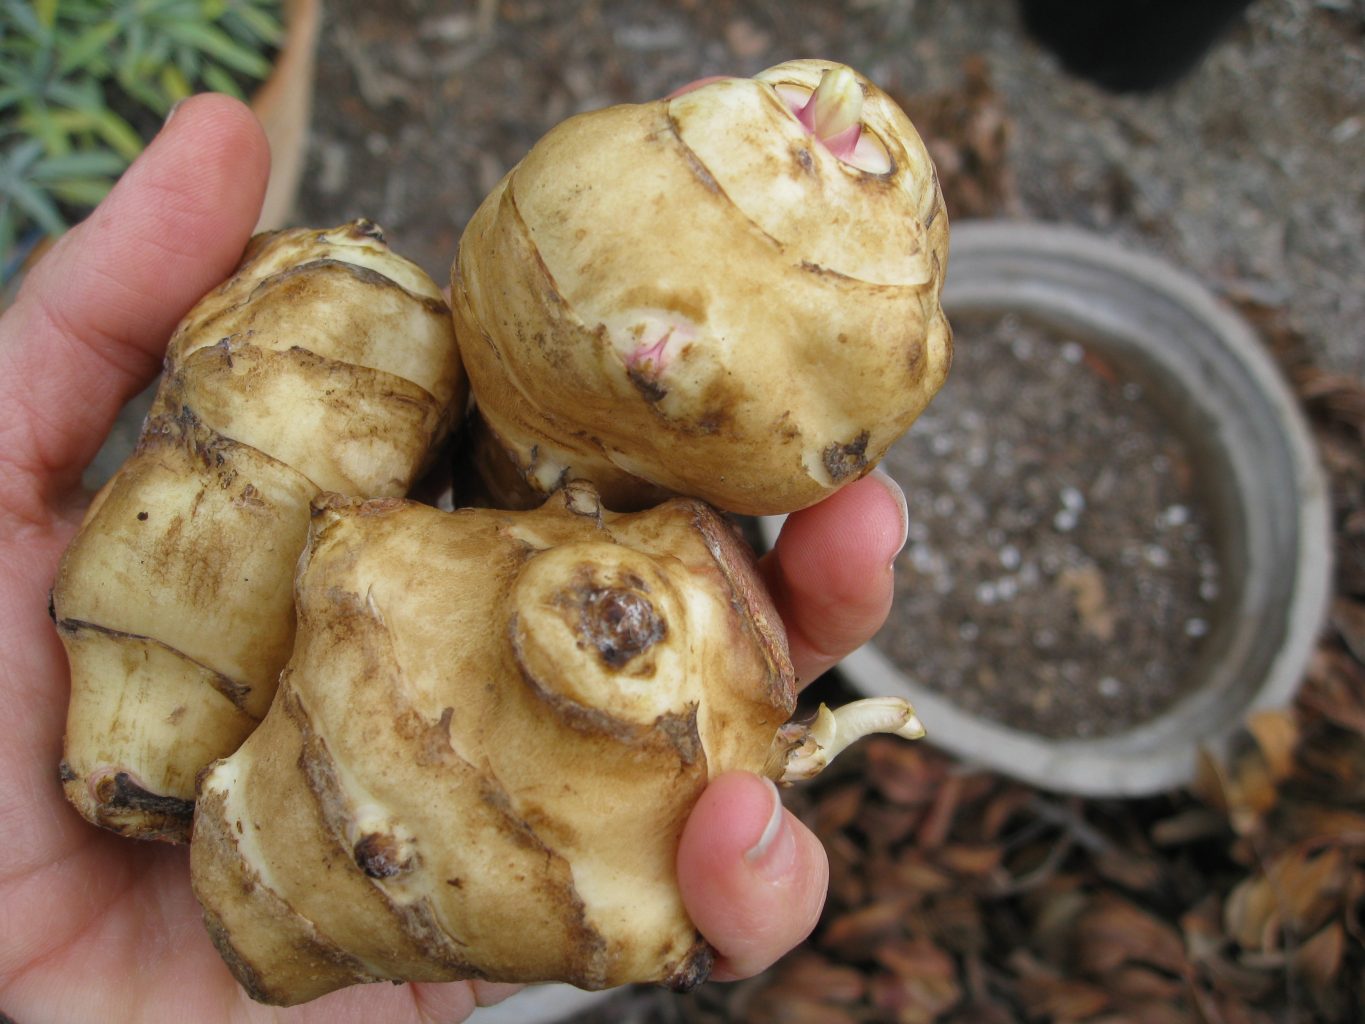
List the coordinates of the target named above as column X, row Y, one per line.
column 484, row 748
column 327, row 362
column 731, row 294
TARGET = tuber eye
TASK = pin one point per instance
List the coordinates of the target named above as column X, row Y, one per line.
column 380, row 856
column 619, row 623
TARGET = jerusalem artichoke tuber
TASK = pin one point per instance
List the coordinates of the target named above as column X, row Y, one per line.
column 325, row 362
column 487, row 741
column 731, row 294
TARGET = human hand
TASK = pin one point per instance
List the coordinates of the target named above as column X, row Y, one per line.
column 97, row 927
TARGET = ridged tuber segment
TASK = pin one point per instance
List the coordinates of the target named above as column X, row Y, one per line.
column 487, row 741
column 700, row 296
column 326, row 362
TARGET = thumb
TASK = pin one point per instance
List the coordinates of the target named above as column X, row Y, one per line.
column 752, row 876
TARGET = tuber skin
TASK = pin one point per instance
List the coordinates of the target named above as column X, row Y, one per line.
column 326, row 362
column 489, row 737
column 731, row 294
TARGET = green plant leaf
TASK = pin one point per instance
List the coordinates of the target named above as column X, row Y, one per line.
column 10, row 95
column 91, row 44
column 260, row 24
column 220, row 81
column 115, row 131
column 78, row 165
column 20, row 157
column 175, row 85
column 41, row 209
column 218, row 45
column 7, row 230
column 81, row 192
column 104, row 123
column 27, row 18
column 46, row 10
column 48, row 127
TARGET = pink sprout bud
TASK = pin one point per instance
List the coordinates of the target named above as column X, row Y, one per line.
column 835, row 108
column 833, row 113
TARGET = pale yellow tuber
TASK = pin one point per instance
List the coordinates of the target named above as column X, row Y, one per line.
column 731, row 294
column 327, row 362
column 486, row 743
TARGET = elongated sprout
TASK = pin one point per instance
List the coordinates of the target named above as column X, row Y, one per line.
column 815, row 745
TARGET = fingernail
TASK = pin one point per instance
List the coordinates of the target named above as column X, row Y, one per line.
column 894, row 489
column 772, row 854
column 171, row 113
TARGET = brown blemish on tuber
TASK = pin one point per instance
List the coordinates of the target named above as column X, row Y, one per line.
column 845, row 461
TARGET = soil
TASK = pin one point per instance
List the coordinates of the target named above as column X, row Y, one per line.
column 1060, row 573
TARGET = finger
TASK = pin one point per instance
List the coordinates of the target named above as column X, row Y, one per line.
column 830, row 572
column 89, row 327
column 752, row 877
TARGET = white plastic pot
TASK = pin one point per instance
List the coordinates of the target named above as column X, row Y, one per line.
column 1267, row 490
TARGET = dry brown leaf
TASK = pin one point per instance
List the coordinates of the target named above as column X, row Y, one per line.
column 855, row 934
column 1310, row 885
column 837, row 809
column 903, row 773
column 917, row 999
column 811, row 976
column 1277, row 736
column 1139, row 871
column 1348, row 616
column 1251, row 915
column 1354, row 901
column 1319, row 959
column 1001, row 809
column 915, row 957
column 1202, row 928
column 1298, row 892
column 1150, row 1012
column 970, row 859
column 1243, row 790
column 1112, row 932
column 774, row 1006
column 938, row 820
column 1054, row 923
column 886, row 825
column 1231, row 1010
column 1133, row 982
column 1063, row 1000
column 1192, row 824
column 1335, row 689
column 914, row 873
column 848, row 884
column 1238, row 981
column 957, row 922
